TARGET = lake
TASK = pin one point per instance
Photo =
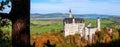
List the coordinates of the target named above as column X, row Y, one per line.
column 62, row 17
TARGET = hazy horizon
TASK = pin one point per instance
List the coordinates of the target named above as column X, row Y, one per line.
column 76, row 14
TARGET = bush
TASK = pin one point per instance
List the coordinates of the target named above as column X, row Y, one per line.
column 4, row 39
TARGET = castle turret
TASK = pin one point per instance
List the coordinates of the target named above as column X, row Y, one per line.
column 70, row 14
column 89, row 25
column 98, row 24
column 73, row 20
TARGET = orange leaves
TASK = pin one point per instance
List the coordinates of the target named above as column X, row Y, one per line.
column 60, row 39
column 40, row 40
column 53, row 39
column 107, row 39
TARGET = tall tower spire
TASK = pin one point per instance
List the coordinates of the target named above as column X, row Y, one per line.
column 70, row 14
column 70, row 10
column 98, row 24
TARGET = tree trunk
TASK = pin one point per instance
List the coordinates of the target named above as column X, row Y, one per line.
column 20, row 17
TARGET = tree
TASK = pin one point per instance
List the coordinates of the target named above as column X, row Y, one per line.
column 20, row 17
column 115, row 35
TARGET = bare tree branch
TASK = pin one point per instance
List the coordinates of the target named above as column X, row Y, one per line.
column 4, row 15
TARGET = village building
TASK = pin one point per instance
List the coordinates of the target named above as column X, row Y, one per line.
column 74, row 25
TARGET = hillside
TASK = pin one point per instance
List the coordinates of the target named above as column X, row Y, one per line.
column 54, row 16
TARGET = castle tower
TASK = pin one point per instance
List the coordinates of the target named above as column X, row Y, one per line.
column 73, row 20
column 70, row 14
column 89, row 25
column 98, row 24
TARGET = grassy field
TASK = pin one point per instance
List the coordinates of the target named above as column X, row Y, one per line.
column 57, row 25
column 104, row 22
column 45, row 26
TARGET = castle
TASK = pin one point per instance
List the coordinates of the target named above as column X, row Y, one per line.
column 76, row 25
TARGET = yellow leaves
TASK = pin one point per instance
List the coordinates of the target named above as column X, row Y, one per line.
column 115, row 35
column 107, row 39
column 41, row 40
column 73, row 40
column 105, row 36
column 53, row 39
column 61, row 39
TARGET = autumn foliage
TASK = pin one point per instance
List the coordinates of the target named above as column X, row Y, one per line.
column 57, row 39
column 40, row 40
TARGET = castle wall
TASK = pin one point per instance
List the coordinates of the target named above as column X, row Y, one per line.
column 81, row 27
column 92, row 31
column 71, row 29
column 89, row 33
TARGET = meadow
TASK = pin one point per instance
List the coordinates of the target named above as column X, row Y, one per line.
column 45, row 26
column 57, row 25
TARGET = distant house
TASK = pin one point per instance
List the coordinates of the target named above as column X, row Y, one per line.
column 76, row 25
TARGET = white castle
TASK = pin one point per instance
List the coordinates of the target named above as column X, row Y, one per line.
column 76, row 25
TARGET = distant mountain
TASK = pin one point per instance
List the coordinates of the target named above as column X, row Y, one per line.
column 62, row 15
column 50, row 15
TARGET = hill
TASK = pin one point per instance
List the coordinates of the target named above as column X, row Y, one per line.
column 51, row 16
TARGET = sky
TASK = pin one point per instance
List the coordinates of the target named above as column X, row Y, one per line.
column 108, row 7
